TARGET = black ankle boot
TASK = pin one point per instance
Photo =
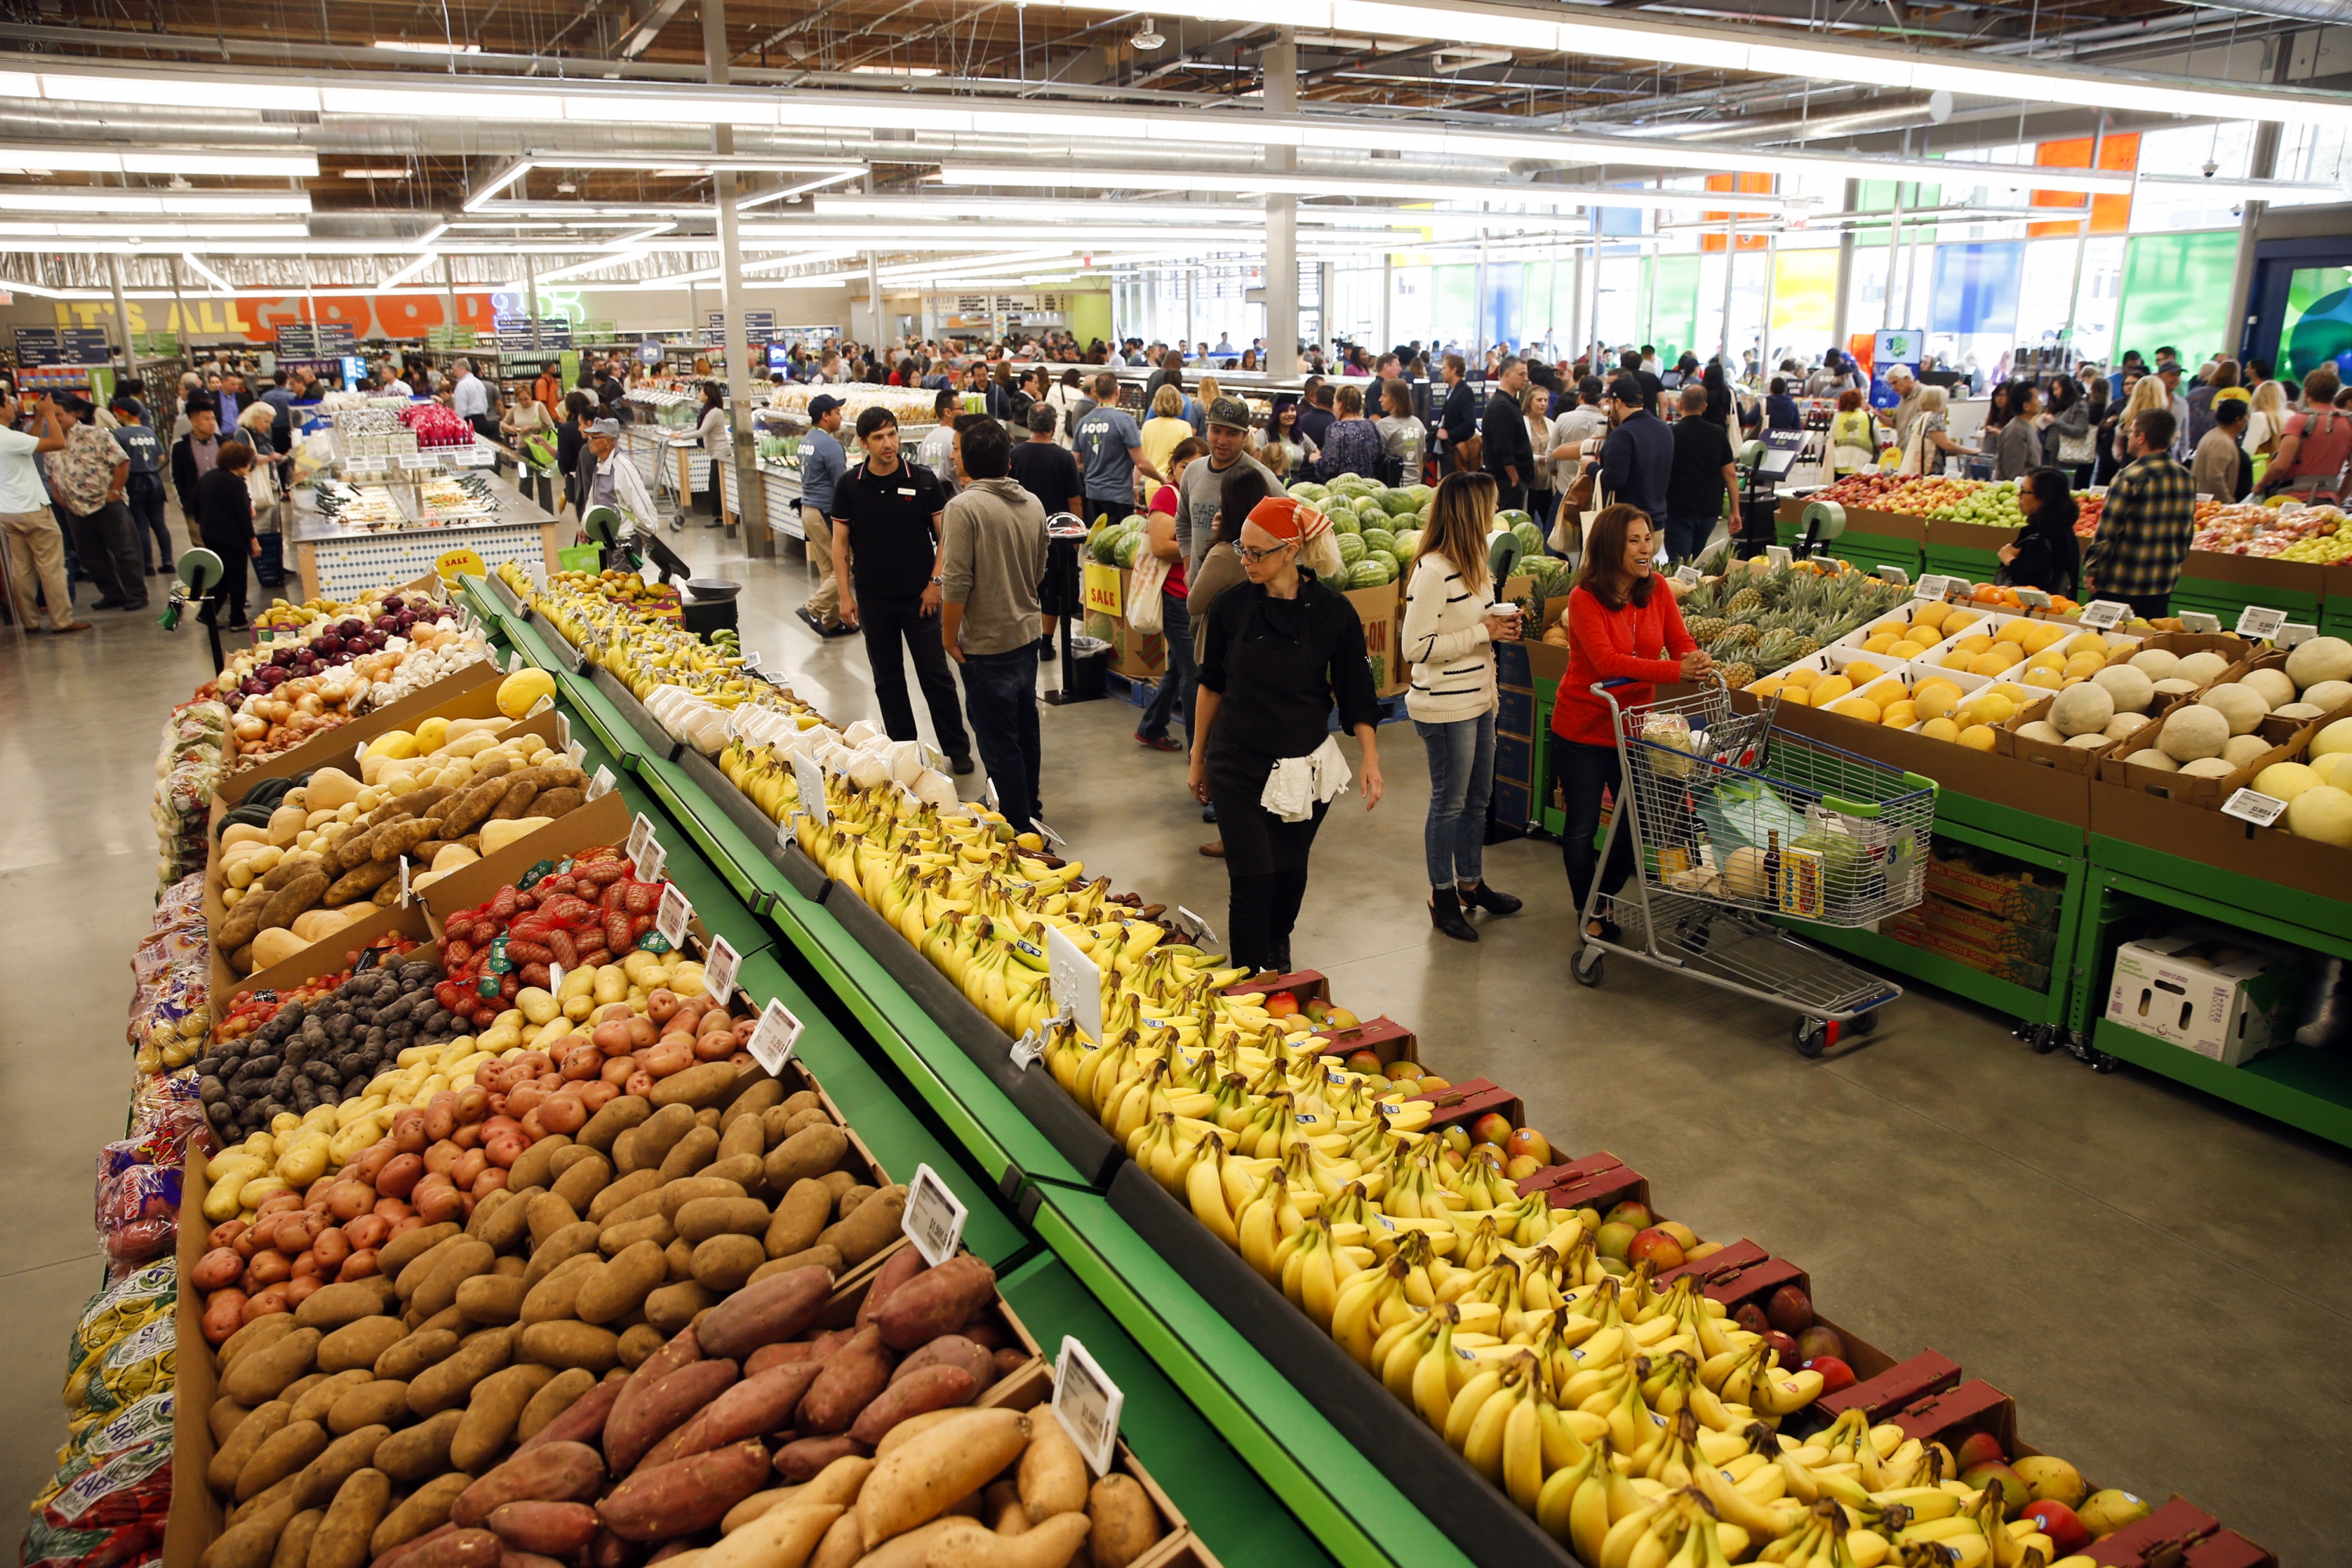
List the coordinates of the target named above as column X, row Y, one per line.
column 1445, row 914
column 1483, row 897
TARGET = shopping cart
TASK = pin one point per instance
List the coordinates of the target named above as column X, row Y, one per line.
column 1734, row 823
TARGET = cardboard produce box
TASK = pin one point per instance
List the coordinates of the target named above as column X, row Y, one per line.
column 2015, row 896
column 1381, row 610
column 471, row 693
column 2225, row 996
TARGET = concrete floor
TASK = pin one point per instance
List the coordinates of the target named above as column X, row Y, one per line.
column 2154, row 1274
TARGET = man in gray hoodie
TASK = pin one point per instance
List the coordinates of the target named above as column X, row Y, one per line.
column 993, row 558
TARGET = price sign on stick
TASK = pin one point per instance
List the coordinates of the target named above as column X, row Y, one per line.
column 1687, row 576
column 1895, row 574
column 602, row 784
column 2260, row 624
column 641, row 833
column 718, row 968
column 576, row 752
column 2198, row 621
column 1086, row 1403
column 1778, row 554
column 2101, row 614
column 650, row 864
column 772, row 1040
column 1076, row 980
column 2295, row 634
column 812, row 782
column 933, row 1217
column 1046, row 833
column 1934, row 588
column 671, row 917
column 1208, row 932
column 2261, row 810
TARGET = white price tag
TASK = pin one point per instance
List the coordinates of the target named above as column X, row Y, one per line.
column 1687, row 576
column 417, row 462
column 1894, row 575
column 475, row 456
column 650, row 864
column 1074, row 981
column 1932, row 587
column 2260, row 624
column 576, row 752
column 2033, row 598
column 563, row 732
column 1778, row 554
column 772, row 1039
column 2295, row 633
column 671, row 917
column 641, row 833
column 989, row 795
column 544, row 705
column 602, row 784
column 404, row 881
column 1086, row 1403
column 2101, row 614
column 811, row 781
column 514, row 661
column 750, row 661
column 2198, row 621
column 1046, row 833
column 718, row 968
column 555, row 979
column 2261, row 810
column 1208, row 932
column 933, row 1217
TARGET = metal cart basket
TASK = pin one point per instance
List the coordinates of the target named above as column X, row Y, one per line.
column 1732, row 822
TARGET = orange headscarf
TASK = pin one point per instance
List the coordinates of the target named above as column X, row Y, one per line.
column 1288, row 517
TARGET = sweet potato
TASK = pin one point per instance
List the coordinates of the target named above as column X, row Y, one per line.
column 847, row 1383
column 580, row 1421
column 359, row 1506
column 775, row 1308
column 940, row 1386
column 678, row 1499
column 426, row 1508
column 918, row 1481
column 936, row 1302
column 914, row 1549
column 899, row 1268
column 1053, row 1473
column 779, row 1538
column 1124, row 1523
column 421, row 1450
column 644, row 1419
column 824, row 1258
column 759, row 1405
column 805, row 1459
column 552, row 1472
column 872, row 1228
column 459, row 1549
column 554, row 1529
column 951, row 1350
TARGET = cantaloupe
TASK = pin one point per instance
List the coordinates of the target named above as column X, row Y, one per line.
column 2240, row 704
column 2328, row 696
column 2271, row 685
column 1978, row 737
column 2192, row 733
column 2155, row 663
column 2284, row 781
column 1900, row 715
column 2173, row 686
column 1860, row 708
column 1890, row 629
column 2337, row 737
column 1795, row 696
column 1974, row 643
column 2301, row 712
column 2149, row 757
column 2206, row 768
column 2123, row 726
column 1878, row 642
column 1906, row 650
column 2046, row 634
column 2324, row 813
column 2315, row 659
column 2085, row 642
column 1956, row 660
column 1936, row 699
column 2239, row 749
column 2082, row 666
column 2043, row 730
column 2201, row 667
column 2329, row 765
column 1931, row 614
column 1940, row 729
column 1987, row 708
column 2128, row 686
column 2082, row 709
column 2085, row 743
column 1766, row 687
column 2048, row 658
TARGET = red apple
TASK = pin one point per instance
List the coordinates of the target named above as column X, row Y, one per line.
column 1750, row 1316
column 1657, row 1249
column 1835, row 1373
column 1281, row 1004
column 2067, row 1533
column 1979, row 1448
column 1818, row 1341
column 1367, row 1062
column 1638, row 1215
column 1782, row 1346
column 1790, row 1309
column 1492, row 1128
column 1529, row 1142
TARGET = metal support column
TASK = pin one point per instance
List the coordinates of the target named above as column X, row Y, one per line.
column 1730, row 257
column 1893, row 243
column 1839, row 325
column 2083, row 234
column 449, row 293
column 751, row 500
column 122, row 318
column 1280, row 66
column 1388, row 289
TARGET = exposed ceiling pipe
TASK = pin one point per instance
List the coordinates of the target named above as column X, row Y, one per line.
column 1810, row 126
column 2337, row 13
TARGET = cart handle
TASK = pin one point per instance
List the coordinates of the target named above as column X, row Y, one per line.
column 1870, row 810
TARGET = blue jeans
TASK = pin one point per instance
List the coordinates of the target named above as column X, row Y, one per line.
column 1176, row 685
column 1461, row 781
column 1687, row 536
column 1000, row 697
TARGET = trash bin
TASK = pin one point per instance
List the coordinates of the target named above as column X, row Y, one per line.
column 708, row 605
column 1089, row 661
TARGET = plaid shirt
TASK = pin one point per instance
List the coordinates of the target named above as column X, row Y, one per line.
column 2145, row 531
column 81, row 475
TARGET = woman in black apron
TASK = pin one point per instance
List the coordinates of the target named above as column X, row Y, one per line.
column 1281, row 651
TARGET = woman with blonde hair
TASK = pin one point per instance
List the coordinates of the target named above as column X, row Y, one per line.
column 2266, row 422
column 1452, row 623
column 2148, row 392
column 264, row 479
column 1166, row 428
column 1927, row 442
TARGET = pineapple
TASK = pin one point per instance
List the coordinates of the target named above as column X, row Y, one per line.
column 1706, row 628
column 1745, row 603
column 1738, row 674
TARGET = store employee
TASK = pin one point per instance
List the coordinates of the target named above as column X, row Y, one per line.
column 886, row 558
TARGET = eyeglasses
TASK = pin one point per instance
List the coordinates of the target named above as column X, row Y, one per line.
column 1252, row 557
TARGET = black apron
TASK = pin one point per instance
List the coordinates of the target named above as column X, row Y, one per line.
column 1262, row 659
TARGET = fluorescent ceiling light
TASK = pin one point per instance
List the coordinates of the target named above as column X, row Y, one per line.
column 409, row 271
column 893, row 70
column 154, row 161
column 162, row 230
column 375, row 173
column 930, row 209
column 802, row 188
column 426, row 46
column 205, row 272
column 119, row 203
column 687, row 173
column 1241, row 183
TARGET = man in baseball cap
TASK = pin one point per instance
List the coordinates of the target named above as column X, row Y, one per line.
column 1198, row 493
column 823, row 464
column 1639, row 452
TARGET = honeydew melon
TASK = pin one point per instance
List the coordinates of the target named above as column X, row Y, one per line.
column 2322, row 812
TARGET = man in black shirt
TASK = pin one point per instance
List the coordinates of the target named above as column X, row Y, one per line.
column 885, row 553
column 1630, row 365
column 1457, row 416
column 1702, row 475
column 1510, row 452
column 1638, row 453
column 1044, row 467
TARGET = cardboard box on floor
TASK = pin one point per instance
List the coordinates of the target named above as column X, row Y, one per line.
column 2225, row 996
column 470, row 693
column 1381, row 610
column 225, row 982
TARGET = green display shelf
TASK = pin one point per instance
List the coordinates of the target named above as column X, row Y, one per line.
column 2133, row 890
column 2211, row 596
column 1955, row 810
column 2335, row 618
column 1866, row 552
column 1958, row 561
column 1234, row 1513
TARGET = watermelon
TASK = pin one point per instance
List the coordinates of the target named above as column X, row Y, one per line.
column 1511, row 517
column 1385, row 559
column 1307, row 492
column 1408, row 544
column 1351, row 547
column 1399, row 503
column 1380, row 539
column 1347, row 522
column 1130, row 545
column 1103, row 545
column 1530, row 537
column 1368, row 575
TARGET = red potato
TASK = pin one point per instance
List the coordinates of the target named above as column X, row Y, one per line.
column 598, row 1094
column 660, row 1004
column 298, row 1290
column 617, row 1070
column 744, row 1030
column 672, row 1054
column 612, row 1012
column 371, row 1161
column 408, row 1134
column 347, row 1201
column 216, row 1270
column 268, row 1268
column 492, row 1178
column 504, row 1149
column 582, row 1062
column 640, row 1083
column 535, row 1062
column 306, row 1265
column 468, row 1136
column 642, row 1032
column 473, row 1104
column 441, row 1117
column 564, row 1113
column 404, row 1224
column 246, row 1243
column 399, row 1177
column 470, row 1165
column 532, row 1125
column 276, row 1203
column 714, row 1048
column 523, row 1098
column 263, row 1303
column 442, row 1203
column 440, row 1161
column 226, row 1233
column 331, row 1246
column 360, row 1265
column 611, row 1038
column 368, row 1232
column 224, row 1315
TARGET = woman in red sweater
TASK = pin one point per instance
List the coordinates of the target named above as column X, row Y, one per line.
column 1621, row 626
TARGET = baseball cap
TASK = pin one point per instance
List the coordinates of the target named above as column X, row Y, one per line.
column 823, row 403
column 1627, row 389
column 1230, row 412
column 604, row 427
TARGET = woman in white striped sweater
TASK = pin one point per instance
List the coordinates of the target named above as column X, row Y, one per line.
column 1451, row 623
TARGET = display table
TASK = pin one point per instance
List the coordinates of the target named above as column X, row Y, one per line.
column 337, row 560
